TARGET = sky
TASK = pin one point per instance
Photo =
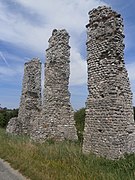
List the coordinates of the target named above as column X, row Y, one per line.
column 25, row 27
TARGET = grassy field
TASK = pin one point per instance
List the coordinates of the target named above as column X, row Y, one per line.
column 61, row 161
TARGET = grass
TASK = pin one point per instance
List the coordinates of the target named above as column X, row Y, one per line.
column 61, row 161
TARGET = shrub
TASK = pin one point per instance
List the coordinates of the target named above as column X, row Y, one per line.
column 6, row 115
column 79, row 117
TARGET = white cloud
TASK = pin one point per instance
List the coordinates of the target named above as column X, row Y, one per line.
column 42, row 77
column 8, row 73
column 131, row 74
column 131, row 71
column 63, row 13
column 68, row 14
column 5, row 71
column 78, row 68
column 2, row 57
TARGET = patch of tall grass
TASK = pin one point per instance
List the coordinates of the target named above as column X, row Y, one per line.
column 61, row 161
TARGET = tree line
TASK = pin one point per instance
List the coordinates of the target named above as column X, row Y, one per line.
column 6, row 115
column 79, row 116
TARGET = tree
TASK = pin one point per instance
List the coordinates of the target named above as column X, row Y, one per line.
column 6, row 115
column 79, row 117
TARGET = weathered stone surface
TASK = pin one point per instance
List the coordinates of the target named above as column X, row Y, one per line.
column 109, row 125
column 57, row 116
column 30, row 104
column 13, row 126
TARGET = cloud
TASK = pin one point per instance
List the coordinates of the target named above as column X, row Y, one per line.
column 27, row 24
column 10, row 74
column 68, row 14
column 131, row 74
column 62, row 13
column 131, row 71
column 78, row 69
column 18, row 29
column 5, row 71
column 3, row 58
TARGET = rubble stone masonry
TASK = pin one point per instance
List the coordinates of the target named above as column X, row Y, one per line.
column 57, row 116
column 30, row 103
column 109, row 125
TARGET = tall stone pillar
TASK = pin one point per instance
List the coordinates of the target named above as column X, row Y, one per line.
column 30, row 104
column 109, row 125
column 57, row 115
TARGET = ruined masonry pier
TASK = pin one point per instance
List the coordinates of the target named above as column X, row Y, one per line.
column 57, row 120
column 30, row 103
column 109, row 125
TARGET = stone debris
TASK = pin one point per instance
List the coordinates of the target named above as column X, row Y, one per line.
column 109, row 123
column 57, row 115
column 30, row 104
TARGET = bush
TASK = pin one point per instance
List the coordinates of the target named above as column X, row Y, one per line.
column 79, row 117
column 6, row 115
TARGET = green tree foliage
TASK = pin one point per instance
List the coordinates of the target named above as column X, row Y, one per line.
column 79, row 117
column 6, row 115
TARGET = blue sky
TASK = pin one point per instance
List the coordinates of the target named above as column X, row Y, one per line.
column 25, row 27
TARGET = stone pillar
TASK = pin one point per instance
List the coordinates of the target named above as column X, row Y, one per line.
column 30, row 105
column 109, row 124
column 13, row 126
column 57, row 115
